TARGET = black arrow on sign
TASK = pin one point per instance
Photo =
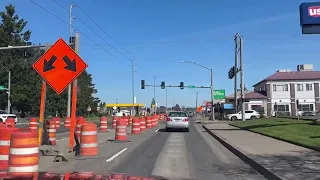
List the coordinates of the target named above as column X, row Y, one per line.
column 71, row 65
column 48, row 65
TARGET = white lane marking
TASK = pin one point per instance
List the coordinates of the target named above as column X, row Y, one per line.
column 157, row 130
column 116, row 155
column 61, row 139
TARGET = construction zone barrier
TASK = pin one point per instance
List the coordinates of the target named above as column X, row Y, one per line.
column 142, row 124
column 24, row 153
column 126, row 120
column 130, row 119
column 121, row 131
column 89, row 140
column 103, row 124
column 57, row 120
column 33, row 124
column 114, row 121
column 80, row 122
column 5, row 135
column 135, row 126
column 118, row 176
column 154, row 119
column 148, row 122
column 10, row 122
column 51, row 129
column 67, row 123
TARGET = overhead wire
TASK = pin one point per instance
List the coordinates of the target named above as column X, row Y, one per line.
column 41, row 7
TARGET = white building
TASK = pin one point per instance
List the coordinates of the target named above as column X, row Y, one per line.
column 286, row 91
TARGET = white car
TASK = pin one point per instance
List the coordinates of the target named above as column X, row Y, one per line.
column 177, row 120
column 4, row 116
column 249, row 114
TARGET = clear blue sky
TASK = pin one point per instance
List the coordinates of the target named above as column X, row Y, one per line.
column 161, row 33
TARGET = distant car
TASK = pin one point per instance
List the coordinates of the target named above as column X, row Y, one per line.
column 308, row 113
column 5, row 115
column 177, row 120
column 249, row 114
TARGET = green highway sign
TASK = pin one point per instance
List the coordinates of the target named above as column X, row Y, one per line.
column 2, row 88
column 219, row 94
column 191, row 86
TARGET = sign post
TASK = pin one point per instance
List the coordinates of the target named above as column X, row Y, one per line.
column 59, row 66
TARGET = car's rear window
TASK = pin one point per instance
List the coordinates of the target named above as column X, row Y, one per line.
column 177, row 114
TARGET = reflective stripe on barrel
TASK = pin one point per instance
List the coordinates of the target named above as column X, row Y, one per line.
column 121, row 130
column 67, row 123
column 135, row 126
column 24, row 153
column 33, row 124
column 57, row 120
column 88, row 140
column 103, row 124
column 114, row 122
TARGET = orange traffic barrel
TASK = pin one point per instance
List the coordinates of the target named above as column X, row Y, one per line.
column 89, row 140
column 114, row 121
column 118, row 176
column 10, row 122
column 67, row 123
column 149, row 122
column 57, row 120
column 33, row 124
column 51, row 129
column 80, row 122
column 84, row 175
column 135, row 126
column 103, row 124
column 24, row 153
column 126, row 120
column 153, row 120
column 130, row 119
column 142, row 124
column 121, row 131
column 135, row 178
column 4, row 146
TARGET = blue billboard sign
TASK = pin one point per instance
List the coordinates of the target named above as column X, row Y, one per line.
column 228, row 106
column 310, row 18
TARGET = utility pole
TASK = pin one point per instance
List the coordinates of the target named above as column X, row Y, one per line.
column 242, row 81
column 166, row 100
column 9, row 92
column 132, row 87
column 154, row 94
column 69, row 86
column 212, row 96
column 197, row 100
column 236, row 72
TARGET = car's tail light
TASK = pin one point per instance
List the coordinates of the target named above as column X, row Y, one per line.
column 186, row 119
column 168, row 119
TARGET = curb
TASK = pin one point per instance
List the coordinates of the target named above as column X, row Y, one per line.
column 280, row 139
column 263, row 171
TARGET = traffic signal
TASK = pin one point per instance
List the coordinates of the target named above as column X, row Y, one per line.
column 142, row 84
column 163, row 85
column 181, row 85
column 231, row 72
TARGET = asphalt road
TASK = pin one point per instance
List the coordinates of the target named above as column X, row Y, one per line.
column 184, row 156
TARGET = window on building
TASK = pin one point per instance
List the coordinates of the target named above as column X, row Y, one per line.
column 305, row 107
column 308, row 87
column 281, row 108
column 299, row 87
column 280, row 87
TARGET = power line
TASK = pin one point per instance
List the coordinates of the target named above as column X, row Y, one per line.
column 41, row 7
column 95, row 31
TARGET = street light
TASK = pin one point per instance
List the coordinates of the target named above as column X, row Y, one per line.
column 211, row 84
column 9, row 86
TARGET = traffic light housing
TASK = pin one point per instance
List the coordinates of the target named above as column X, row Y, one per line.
column 181, row 85
column 231, row 72
column 163, row 85
column 142, row 84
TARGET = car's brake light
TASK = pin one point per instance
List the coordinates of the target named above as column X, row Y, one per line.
column 186, row 119
column 168, row 119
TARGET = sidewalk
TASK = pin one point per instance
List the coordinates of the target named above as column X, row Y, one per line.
column 285, row 160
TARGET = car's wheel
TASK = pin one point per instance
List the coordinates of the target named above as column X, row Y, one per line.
column 253, row 117
column 234, row 118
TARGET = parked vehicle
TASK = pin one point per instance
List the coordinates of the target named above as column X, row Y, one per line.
column 5, row 115
column 249, row 114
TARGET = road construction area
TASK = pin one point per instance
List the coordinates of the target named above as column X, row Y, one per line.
column 155, row 153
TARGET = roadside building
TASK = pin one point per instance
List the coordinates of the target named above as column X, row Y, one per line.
column 285, row 92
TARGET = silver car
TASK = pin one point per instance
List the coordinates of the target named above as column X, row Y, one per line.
column 177, row 120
